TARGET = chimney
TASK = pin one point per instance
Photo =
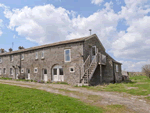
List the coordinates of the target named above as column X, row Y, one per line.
column 20, row 47
column 2, row 50
column 10, row 50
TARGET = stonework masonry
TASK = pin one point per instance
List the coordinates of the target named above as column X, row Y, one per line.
column 54, row 55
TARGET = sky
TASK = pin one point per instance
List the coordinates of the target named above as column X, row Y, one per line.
column 123, row 26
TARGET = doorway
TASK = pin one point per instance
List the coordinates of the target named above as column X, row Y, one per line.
column 28, row 74
column 45, row 78
column 93, row 52
column 57, row 72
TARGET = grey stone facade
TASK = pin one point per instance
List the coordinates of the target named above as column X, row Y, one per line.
column 54, row 55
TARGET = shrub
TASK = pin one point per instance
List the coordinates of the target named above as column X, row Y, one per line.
column 146, row 70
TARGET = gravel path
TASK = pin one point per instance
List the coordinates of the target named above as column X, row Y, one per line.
column 134, row 103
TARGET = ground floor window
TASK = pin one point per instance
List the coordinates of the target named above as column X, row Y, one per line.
column 4, row 70
column 35, row 70
column 11, row 71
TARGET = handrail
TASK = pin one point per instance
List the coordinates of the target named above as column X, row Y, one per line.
column 89, row 66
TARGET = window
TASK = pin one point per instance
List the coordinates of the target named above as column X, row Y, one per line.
column 93, row 50
column 42, row 55
column 55, row 71
column 72, row 69
column 0, row 59
column 22, row 56
column 117, row 70
column 0, row 71
column 35, row 70
column 11, row 71
column 22, row 70
column 45, row 71
column 67, row 55
column 61, row 71
column 11, row 58
column 4, row 70
column 36, row 55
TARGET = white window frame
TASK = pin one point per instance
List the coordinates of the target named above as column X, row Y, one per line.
column 65, row 55
column 36, row 69
column 43, row 54
column 22, row 70
column 1, row 60
column 11, row 58
column 36, row 55
column 73, row 70
column 5, row 70
column 12, row 71
column 117, row 68
column 22, row 58
column 0, row 71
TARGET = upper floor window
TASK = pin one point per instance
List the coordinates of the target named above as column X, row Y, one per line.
column 67, row 55
column 36, row 55
column 117, row 68
column 11, row 58
column 4, row 70
column 11, row 71
column 22, row 56
column 42, row 55
column 0, row 71
column 0, row 59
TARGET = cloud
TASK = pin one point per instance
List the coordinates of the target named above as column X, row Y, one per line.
column 47, row 24
column 97, row 2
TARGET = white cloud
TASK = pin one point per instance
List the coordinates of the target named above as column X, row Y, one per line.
column 97, row 2
column 46, row 24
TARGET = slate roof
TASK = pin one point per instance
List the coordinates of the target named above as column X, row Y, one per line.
column 50, row 45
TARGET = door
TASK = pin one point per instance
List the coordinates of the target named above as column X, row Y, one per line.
column 58, row 73
column 93, row 52
column 28, row 73
column 17, row 73
column 45, row 75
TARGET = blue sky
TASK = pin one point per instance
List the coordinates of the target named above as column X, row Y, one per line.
column 121, row 25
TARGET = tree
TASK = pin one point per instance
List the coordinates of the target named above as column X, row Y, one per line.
column 146, row 70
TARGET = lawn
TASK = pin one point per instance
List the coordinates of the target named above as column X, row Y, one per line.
column 139, row 85
column 23, row 100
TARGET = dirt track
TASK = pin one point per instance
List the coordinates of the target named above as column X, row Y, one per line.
column 135, row 103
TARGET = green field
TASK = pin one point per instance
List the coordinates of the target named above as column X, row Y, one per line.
column 139, row 85
column 23, row 100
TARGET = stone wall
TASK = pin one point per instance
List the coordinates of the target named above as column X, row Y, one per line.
column 52, row 56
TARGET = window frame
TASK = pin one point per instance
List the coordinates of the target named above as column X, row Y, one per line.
column 0, row 71
column 3, row 70
column 42, row 57
column 22, row 70
column 1, row 60
column 117, row 68
column 34, row 70
column 72, row 71
column 65, row 55
column 12, row 71
column 21, row 56
column 36, row 55
column 11, row 58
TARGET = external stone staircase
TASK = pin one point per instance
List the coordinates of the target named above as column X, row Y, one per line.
column 89, row 68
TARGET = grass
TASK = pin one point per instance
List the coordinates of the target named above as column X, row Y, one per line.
column 139, row 85
column 17, row 99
